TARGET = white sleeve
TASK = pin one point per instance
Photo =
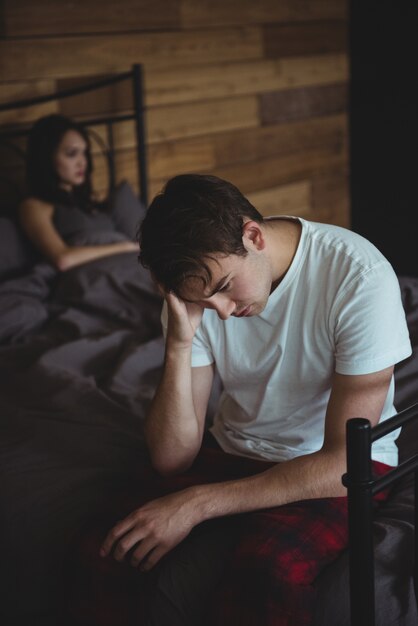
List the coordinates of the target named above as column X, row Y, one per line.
column 370, row 323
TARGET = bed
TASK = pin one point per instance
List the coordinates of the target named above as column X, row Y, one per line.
column 80, row 352
column 80, row 356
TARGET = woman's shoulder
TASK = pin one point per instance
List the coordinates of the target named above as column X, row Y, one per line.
column 31, row 205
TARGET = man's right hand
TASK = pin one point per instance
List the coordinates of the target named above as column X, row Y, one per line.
column 183, row 320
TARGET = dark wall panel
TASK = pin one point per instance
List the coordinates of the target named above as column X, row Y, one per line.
column 384, row 128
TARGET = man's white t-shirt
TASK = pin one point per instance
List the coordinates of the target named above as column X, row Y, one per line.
column 338, row 308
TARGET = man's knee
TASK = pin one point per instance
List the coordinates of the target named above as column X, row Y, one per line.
column 181, row 586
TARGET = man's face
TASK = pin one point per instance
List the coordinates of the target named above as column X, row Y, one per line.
column 240, row 285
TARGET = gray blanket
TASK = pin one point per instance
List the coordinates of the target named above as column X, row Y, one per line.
column 80, row 355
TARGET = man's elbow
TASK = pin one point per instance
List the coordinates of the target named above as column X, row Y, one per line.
column 170, row 459
column 171, row 467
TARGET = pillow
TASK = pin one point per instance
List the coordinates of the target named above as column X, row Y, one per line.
column 16, row 253
column 127, row 210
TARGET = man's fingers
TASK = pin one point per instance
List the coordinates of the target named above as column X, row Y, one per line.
column 127, row 542
column 140, row 555
column 117, row 531
column 153, row 557
column 173, row 301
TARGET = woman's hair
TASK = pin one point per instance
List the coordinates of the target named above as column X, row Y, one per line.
column 194, row 218
column 41, row 176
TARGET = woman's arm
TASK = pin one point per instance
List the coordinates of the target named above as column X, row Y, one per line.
column 36, row 220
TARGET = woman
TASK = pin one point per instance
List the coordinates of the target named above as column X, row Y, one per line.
column 60, row 216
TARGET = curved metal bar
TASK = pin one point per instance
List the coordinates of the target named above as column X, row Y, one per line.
column 396, row 421
column 138, row 114
column 65, row 93
column 403, row 469
column 140, row 133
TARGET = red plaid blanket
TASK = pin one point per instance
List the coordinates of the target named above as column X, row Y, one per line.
column 270, row 581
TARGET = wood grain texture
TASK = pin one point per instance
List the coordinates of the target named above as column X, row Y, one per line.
column 245, row 144
column 272, row 172
column 214, row 116
column 185, row 84
column 267, row 173
column 189, row 120
column 53, row 57
column 291, row 199
column 11, row 92
column 217, row 12
column 298, row 23
column 281, row 40
column 328, row 133
column 164, row 159
column 219, row 80
column 185, row 155
column 295, row 104
column 126, row 168
column 111, row 99
column 43, row 17
column 330, row 195
column 207, row 152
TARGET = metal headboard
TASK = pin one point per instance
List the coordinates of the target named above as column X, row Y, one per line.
column 138, row 115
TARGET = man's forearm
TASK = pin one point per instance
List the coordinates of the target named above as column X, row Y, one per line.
column 172, row 429
column 316, row 475
column 167, row 520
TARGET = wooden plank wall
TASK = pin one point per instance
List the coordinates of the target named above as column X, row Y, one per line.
column 254, row 91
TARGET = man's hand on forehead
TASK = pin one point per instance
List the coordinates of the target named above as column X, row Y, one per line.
column 183, row 318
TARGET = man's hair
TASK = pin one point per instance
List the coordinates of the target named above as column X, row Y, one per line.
column 194, row 218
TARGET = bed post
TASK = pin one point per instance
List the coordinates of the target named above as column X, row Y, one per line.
column 416, row 535
column 138, row 89
column 359, row 482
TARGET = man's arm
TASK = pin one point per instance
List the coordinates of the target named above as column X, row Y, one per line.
column 174, row 424
column 316, row 475
column 161, row 524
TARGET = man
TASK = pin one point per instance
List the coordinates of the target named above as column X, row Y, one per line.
column 304, row 324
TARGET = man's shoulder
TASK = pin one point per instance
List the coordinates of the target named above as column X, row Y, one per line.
column 342, row 241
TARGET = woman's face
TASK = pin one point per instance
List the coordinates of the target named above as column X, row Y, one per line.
column 70, row 160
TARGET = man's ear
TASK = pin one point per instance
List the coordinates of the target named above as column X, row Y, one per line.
column 253, row 235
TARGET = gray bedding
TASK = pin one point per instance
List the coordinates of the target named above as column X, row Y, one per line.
column 80, row 355
column 79, row 358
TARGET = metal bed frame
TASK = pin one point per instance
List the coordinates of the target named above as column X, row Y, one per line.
column 361, row 487
column 138, row 115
